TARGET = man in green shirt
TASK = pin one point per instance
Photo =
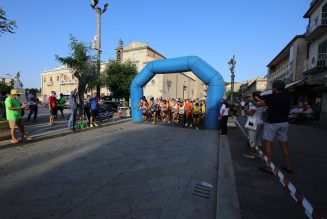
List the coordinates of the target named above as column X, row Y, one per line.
column 13, row 113
column 61, row 104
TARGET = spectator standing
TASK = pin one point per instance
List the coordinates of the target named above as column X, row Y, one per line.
column 242, row 107
column 72, row 109
column 61, row 104
column 33, row 102
column 87, row 113
column 276, row 126
column 94, row 109
column 52, row 105
column 255, row 135
column 224, row 110
column 13, row 113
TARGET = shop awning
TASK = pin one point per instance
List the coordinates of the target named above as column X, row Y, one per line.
column 268, row 92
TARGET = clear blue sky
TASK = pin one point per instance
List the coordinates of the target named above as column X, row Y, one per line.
column 255, row 31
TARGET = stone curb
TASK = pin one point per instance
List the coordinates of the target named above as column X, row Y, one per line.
column 61, row 134
column 227, row 197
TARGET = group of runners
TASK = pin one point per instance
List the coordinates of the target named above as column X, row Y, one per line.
column 173, row 111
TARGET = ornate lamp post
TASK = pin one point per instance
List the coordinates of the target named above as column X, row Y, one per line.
column 99, row 12
column 232, row 64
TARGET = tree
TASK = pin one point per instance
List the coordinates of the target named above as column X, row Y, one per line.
column 118, row 78
column 4, row 88
column 6, row 25
column 82, row 64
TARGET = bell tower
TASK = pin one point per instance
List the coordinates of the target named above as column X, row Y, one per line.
column 119, row 51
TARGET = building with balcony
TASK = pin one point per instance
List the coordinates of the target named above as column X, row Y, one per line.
column 288, row 64
column 316, row 63
column 61, row 80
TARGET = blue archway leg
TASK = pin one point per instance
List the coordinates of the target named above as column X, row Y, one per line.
column 215, row 93
column 136, row 95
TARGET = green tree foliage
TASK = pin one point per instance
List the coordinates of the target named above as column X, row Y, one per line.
column 4, row 88
column 6, row 25
column 118, row 78
column 28, row 90
column 82, row 64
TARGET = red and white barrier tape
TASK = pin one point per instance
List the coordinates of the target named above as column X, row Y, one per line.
column 296, row 194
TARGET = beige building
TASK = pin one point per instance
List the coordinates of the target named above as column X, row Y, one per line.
column 61, row 80
column 236, row 87
column 181, row 85
column 288, row 64
column 258, row 84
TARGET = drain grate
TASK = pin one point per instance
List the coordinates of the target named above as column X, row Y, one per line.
column 201, row 191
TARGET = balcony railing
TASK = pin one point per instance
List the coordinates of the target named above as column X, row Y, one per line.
column 321, row 22
column 322, row 60
column 72, row 81
column 49, row 83
column 279, row 72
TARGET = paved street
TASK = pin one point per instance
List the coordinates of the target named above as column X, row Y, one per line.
column 123, row 171
column 261, row 195
column 41, row 127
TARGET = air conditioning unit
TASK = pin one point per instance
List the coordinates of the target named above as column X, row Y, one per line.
column 313, row 61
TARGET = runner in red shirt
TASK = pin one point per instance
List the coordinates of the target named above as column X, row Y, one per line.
column 52, row 105
column 189, row 112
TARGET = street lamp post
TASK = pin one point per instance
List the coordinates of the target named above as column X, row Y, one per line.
column 99, row 11
column 232, row 64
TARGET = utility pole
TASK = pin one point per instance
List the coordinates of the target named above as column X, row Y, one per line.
column 232, row 64
column 99, row 12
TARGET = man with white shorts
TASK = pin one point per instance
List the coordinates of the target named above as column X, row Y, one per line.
column 276, row 125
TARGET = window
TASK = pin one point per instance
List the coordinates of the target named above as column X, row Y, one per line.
column 50, row 79
column 57, row 78
column 65, row 77
column 44, row 79
column 322, row 54
column 324, row 15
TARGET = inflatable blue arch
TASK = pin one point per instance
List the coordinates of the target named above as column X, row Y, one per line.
column 200, row 68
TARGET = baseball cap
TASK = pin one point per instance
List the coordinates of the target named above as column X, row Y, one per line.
column 14, row 92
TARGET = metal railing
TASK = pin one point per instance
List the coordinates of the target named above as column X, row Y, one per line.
column 322, row 60
column 279, row 72
column 322, row 21
column 72, row 81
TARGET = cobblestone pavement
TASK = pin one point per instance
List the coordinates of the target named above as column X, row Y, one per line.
column 123, row 171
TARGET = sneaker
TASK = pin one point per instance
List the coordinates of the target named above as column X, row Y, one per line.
column 26, row 137
column 91, row 125
column 96, row 125
column 153, row 123
column 186, row 125
column 197, row 128
column 191, row 125
column 14, row 140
